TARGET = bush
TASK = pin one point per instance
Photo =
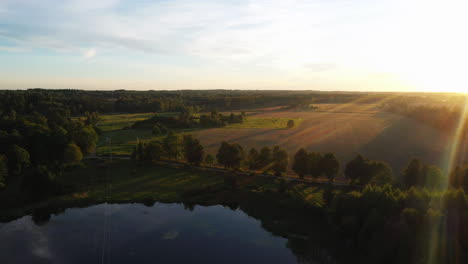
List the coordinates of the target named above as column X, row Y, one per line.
column 72, row 154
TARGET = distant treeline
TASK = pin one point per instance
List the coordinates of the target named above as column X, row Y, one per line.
column 77, row 102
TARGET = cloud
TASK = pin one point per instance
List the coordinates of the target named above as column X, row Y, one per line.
column 90, row 53
column 243, row 31
column 277, row 40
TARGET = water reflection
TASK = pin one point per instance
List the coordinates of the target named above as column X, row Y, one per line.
column 142, row 233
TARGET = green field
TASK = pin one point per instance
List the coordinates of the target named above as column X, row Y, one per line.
column 119, row 121
column 119, row 139
column 266, row 122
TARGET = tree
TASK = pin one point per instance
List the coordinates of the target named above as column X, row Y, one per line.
column 171, row 145
column 330, row 165
column 18, row 159
column 3, row 170
column 290, row 123
column 209, row 159
column 364, row 171
column 382, row 173
column 265, row 157
column 86, row 138
column 433, row 177
column 152, row 151
column 455, row 179
column 230, row 155
column 92, row 119
column 280, row 160
column 300, row 163
column 72, row 153
column 356, row 169
column 193, row 150
column 253, row 159
column 413, row 174
column 314, row 168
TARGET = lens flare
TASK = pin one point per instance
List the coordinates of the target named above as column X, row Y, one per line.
column 443, row 247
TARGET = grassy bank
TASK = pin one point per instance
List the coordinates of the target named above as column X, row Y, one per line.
column 123, row 181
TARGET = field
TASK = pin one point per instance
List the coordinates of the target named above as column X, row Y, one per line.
column 119, row 139
column 345, row 129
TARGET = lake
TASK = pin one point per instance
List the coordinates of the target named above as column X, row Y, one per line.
column 135, row 233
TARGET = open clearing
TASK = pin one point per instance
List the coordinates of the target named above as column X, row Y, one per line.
column 345, row 129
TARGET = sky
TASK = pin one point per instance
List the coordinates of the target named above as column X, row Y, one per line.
column 346, row 45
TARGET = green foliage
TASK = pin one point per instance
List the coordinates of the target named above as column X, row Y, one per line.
column 265, row 157
column 364, row 171
column 418, row 174
column 230, row 155
column 92, row 119
column 300, row 163
column 382, row 173
column 413, row 174
column 209, row 159
column 193, row 150
column 152, row 151
column 330, row 165
column 253, row 159
column 3, row 170
column 85, row 137
column 172, row 145
column 314, row 168
column 72, row 153
column 18, row 160
column 433, row 177
column 280, row 160
column 459, row 177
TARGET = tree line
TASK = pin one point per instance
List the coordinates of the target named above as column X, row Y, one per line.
column 161, row 124
column 359, row 171
column 77, row 102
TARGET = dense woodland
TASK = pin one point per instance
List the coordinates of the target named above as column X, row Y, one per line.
column 77, row 102
column 388, row 219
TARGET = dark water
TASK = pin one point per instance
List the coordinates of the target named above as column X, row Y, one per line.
column 135, row 233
